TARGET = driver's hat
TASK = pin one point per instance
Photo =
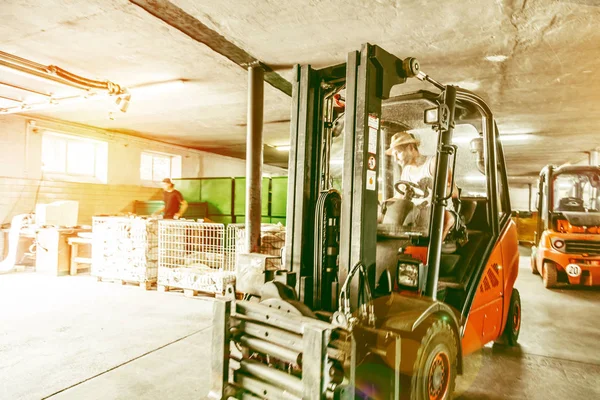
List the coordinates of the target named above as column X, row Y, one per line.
column 401, row 139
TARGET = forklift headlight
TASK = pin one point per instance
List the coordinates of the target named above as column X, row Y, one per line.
column 438, row 116
column 431, row 116
column 408, row 275
column 558, row 244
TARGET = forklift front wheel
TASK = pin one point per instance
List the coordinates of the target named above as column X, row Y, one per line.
column 534, row 269
column 549, row 274
column 510, row 336
column 435, row 368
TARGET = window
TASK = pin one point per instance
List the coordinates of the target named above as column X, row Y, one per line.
column 74, row 158
column 544, row 208
column 470, row 173
column 576, row 191
column 501, row 189
column 155, row 167
column 500, row 177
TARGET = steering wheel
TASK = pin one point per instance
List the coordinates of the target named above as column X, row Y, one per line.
column 412, row 190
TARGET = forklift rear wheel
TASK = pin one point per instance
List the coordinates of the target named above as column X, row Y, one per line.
column 549, row 275
column 510, row 336
column 434, row 374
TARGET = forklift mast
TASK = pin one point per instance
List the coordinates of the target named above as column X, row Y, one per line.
column 368, row 77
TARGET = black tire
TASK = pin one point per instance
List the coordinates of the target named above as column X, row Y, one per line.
column 549, row 275
column 434, row 371
column 510, row 336
column 534, row 269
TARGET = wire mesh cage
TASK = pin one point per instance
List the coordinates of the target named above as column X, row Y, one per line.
column 236, row 244
column 125, row 248
column 192, row 256
column 272, row 242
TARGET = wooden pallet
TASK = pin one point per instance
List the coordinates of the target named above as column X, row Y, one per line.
column 186, row 292
column 193, row 292
column 147, row 285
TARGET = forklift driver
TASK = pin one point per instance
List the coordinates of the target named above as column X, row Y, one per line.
column 417, row 169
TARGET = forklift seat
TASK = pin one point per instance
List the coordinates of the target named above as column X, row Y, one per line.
column 475, row 213
column 384, row 285
column 448, row 263
column 467, row 210
column 571, row 204
column 455, row 267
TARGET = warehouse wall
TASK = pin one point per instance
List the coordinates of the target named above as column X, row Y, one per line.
column 519, row 197
column 22, row 183
column 20, row 196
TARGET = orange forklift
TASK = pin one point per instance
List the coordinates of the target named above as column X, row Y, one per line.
column 567, row 239
column 376, row 301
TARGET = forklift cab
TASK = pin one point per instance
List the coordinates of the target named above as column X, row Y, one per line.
column 405, row 227
column 404, row 221
column 371, row 300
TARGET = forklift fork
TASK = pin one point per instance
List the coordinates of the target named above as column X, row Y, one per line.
column 320, row 355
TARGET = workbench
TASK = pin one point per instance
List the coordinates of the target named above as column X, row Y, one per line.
column 80, row 256
column 53, row 255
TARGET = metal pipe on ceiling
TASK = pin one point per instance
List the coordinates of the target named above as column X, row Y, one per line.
column 25, row 89
column 22, row 62
column 28, row 107
column 57, row 74
column 39, row 74
column 10, row 99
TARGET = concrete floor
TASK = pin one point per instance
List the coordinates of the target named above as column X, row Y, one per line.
column 73, row 338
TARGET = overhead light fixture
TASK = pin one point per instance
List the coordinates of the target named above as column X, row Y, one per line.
column 283, row 148
column 70, row 100
column 475, row 178
column 497, row 58
column 515, row 137
column 468, row 85
column 157, row 87
column 516, row 130
column 22, row 88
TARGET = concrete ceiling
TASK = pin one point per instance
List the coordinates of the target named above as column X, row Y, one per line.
column 546, row 84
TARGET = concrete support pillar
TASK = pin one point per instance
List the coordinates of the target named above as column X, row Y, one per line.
column 254, row 157
column 594, row 158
